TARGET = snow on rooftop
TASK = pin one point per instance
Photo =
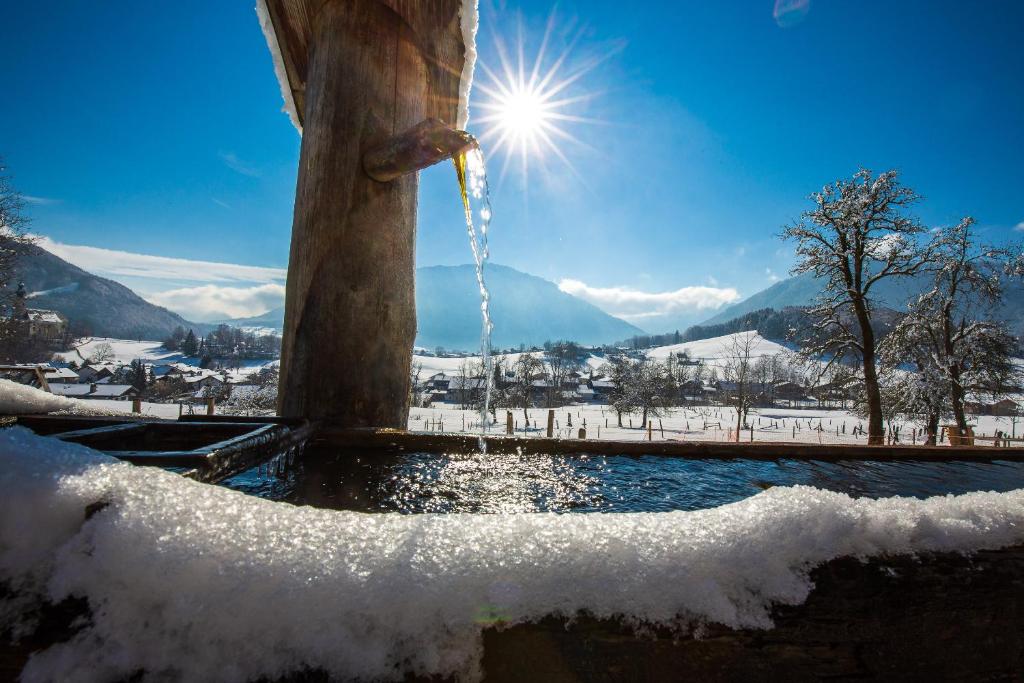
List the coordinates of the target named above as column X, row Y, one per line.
column 190, row 581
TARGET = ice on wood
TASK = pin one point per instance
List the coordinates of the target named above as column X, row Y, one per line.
column 189, row 581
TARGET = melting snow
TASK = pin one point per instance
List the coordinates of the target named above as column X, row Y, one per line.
column 191, row 581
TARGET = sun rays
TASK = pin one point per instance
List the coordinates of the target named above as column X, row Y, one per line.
column 528, row 111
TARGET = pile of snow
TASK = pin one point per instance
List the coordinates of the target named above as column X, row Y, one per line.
column 190, row 581
column 21, row 399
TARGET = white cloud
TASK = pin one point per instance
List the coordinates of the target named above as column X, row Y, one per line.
column 772, row 277
column 114, row 263
column 232, row 161
column 40, row 201
column 1019, row 227
column 213, row 302
column 633, row 304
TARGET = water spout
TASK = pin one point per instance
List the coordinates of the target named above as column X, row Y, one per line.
column 472, row 176
column 425, row 144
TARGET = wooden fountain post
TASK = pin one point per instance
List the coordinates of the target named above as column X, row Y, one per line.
column 362, row 74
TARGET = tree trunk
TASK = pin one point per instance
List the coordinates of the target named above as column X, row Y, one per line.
column 956, row 395
column 932, row 429
column 350, row 316
column 876, row 429
column 643, row 418
column 739, row 419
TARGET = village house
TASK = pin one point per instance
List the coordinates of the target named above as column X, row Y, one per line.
column 50, row 326
column 93, row 372
column 61, row 376
column 466, row 390
column 1002, row 408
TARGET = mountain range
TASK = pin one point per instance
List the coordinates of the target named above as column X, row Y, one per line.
column 525, row 309
column 890, row 293
column 95, row 306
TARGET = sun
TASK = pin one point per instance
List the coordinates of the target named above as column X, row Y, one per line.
column 527, row 113
column 522, row 114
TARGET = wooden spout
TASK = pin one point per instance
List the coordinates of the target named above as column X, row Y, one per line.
column 425, row 144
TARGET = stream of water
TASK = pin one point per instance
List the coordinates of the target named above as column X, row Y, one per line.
column 472, row 175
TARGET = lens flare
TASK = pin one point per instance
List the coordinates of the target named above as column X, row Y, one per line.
column 527, row 111
column 789, row 13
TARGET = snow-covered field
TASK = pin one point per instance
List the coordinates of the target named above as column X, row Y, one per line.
column 708, row 423
column 277, row 587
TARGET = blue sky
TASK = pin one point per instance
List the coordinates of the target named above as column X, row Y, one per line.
column 153, row 134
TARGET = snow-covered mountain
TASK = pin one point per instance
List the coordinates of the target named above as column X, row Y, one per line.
column 892, row 293
column 95, row 306
column 525, row 309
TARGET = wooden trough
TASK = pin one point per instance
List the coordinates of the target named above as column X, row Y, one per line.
column 208, row 451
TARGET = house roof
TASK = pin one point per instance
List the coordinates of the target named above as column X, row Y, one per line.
column 39, row 315
column 112, row 390
column 70, row 389
column 61, row 373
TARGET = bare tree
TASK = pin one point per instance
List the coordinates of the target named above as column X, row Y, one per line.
column 857, row 235
column 738, row 371
column 13, row 242
column 643, row 385
column 952, row 331
column 561, row 359
column 102, row 353
column 519, row 392
column 415, row 370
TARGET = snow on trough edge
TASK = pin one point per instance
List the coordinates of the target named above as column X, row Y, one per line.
column 197, row 582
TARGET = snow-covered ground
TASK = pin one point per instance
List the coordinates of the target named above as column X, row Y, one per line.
column 126, row 350
column 188, row 581
column 708, row 423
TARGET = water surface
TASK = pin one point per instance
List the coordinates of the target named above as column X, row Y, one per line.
column 504, row 483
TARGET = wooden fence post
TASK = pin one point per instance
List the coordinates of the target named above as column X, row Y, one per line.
column 136, row 405
column 508, row 422
column 551, row 423
column 209, row 405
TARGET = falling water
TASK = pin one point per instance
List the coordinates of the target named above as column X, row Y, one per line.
column 472, row 175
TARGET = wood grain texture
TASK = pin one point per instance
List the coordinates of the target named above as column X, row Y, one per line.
column 435, row 29
column 350, row 316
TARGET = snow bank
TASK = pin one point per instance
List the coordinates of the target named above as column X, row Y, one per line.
column 191, row 581
column 20, row 399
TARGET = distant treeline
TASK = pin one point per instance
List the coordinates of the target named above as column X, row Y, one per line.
column 769, row 323
column 789, row 325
